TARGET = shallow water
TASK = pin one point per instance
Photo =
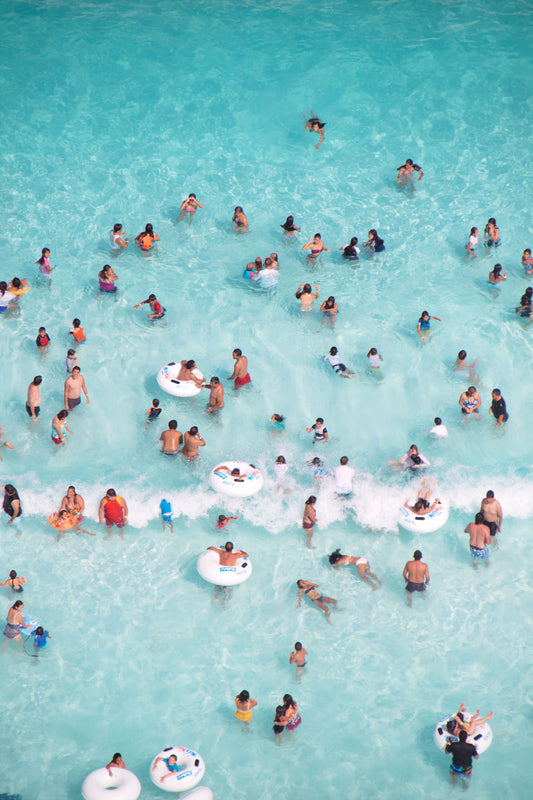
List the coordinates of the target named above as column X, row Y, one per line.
column 116, row 113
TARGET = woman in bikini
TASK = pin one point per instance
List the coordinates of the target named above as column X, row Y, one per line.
column 189, row 207
column 289, row 227
column 239, row 219
column 491, row 234
column 316, row 246
column 309, row 520
column 310, row 589
column 336, row 559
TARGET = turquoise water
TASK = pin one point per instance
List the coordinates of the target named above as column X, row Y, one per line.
column 115, row 113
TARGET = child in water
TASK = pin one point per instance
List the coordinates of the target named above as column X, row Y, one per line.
column 154, row 410
column 77, row 331
column 40, row 638
column 298, row 657
column 167, row 515
column 71, row 360
column 222, row 520
column 374, row 358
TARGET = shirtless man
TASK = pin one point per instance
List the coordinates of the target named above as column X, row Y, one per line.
column 33, row 399
column 470, row 401
column 171, row 438
column 240, row 370
column 479, row 539
column 191, row 442
column 74, row 385
column 416, row 576
column 492, row 513
column 216, row 395
column 228, row 557
column 190, row 372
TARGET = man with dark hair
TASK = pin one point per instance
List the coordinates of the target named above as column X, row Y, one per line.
column 240, row 370
column 479, row 539
column 416, row 576
column 492, row 513
column 498, row 409
column 462, row 753
column 171, row 438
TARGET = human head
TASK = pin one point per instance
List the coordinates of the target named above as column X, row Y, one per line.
column 490, row 494
column 344, row 460
column 480, row 519
column 39, row 630
column 258, row 261
column 110, row 494
column 373, row 351
column 235, row 472
column 497, row 269
column 417, row 555
column 280, row 460
column 76, row 370
column 527, row 252
column 63, row 414
column 333, row 351
column 317, row 461
column 287, row 700
column 192, row 194
column 330, row 301
column 319, row 420
column 38, row 379
column 12, row 574
column 190, row 363
column 149, row 228
column 317, row 237
column 45, row 251
column 461, row 355
column 155, row 402
column 17, row 604
column 214, row 380
column 9, row 489
column 172, row 759
column 244, row 696
column 71, row 352
column 173, row 424
column 474, row 231
column 193, row 431
column 300, row 583
column 151, row 298
column 277, row 417
column 335, row 556
column 496, row 394
column 297, row 645
column 71, row 489
column 529, row 291
column 228, row 547
column 437, row 421
column 290, row 220
column 354, row 240
column 372, row 233
column 105, row 268
column 268, row 262
column 238, row 210
column 76, row 322
column 237, row 352
column 310, row 500
column 492, row 221
column 3, row 287
column 16, row 283
column 419, row 505
column 42, row 330
column 117, row 227
column 409, row 161
column 413, row 449
column 306, row 288
column 116, row 756
column 463, row 736
column 424, row 315
column 471, row 390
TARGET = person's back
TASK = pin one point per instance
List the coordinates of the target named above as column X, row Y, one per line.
column 462, row 753
column 344, row 475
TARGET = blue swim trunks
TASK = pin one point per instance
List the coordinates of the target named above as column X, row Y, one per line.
column 479, row 552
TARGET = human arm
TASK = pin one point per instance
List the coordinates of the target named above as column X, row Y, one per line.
column 86, row 393
column 406, row 572
column 426, row 574
column 125, row 510
column 65, row 394
column 307, row 246
column 101, row 511
column 420, row 171
column 323, row 306
column 142, row 303
column 321, row 139
column 437, row 318
column 419, row 331
column 500, row 517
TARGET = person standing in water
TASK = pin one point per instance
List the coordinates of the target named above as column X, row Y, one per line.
column 309, row 520
column 16, row 582
column 240, row 370
column 216, row 395
column 244, row 705
column 479, row 533
column 189, row 207
column 416, row 576
column 407, row 170
column 113, row 510
column 297, row 657
column 115, row 238
column 492, row 513
column 74, row 385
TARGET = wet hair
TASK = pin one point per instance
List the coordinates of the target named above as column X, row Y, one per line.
column 473, row 231
column 12, row 574
column 463, row 736
column 420, row 505
column 116, row 756
column 317, row 121
column 193, row 431
column 437, row 421
column 330, row 302
column 496, row 391
column 297, row 645
column 71, row 352
column 415, row 458
column 228, row 547
column 151, row 298
column 492, row 221
column 117, row 227
column 408, row 161
column 268, row 261
column 335, row 556
column 105, row 268
column 287, row 700
column 42, row 329
column 305, row 289
column 344, row 460
column 244, row 696
column 39, row 630
column 172, row 756
column 192, row 194
column 333, row 351
column 173, row 424
column 299, row 582
column 72, row 487
column 317, row 235
column 320, row 420
column 214, row 379
column 189, row 364
column 354, row 240
column 17, row 604
column 111, row 493
column 280, row 710
column 76, row 322
column 450, row 726
column 417, row 555
column 221, row 517
column 16, row 283
column 424, row 314
column 9, row 489
column 480, row 519
column 413, row 445
column 149, row 228
column 43, row 258
column 63, row 414
column 288, row 225
column 3, row 287
column 317, row 461
column 490, row 493
column 471, row 389
column 461, row 355
column 237, row 351
column 280, row 460
column 235, row 472
column 496, row 270
column 278, row 417
column 373, row 234
column 155, row 402
column 310, row 500
column 76, row 369
column 258, row 260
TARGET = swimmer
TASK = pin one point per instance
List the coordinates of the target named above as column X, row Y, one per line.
column 424, row 324
column 44, row 263
column 11, row 505
column 4, row 442
column 479, row 533
column 472, row 242
column 491, row 234
column 154, row 411
column 407, row 170
column 278, row 421
column 60, row 427
column 155, row 306
column 167, row 515
column 227, row 556
column 147, row 238
column 416, row 576
column 333, row 359
column 336, row 559
column 16, row 582
column 115, row 238
column 439, row 431
column 171, row 763
column 190, row 372
column 15, row 621
column 297, row 657
column 495, row 275
column 235, row 473
column 315, row 125
column 525, row 308
column 77, row 331
column 309, row 520
column 460, row 364
column 74, row 386
column 171, row 438
column 113, row 510
column 191, row 442
column 269, row 276
column 43, row 340
column 374, row 359
column 305, row 296
column 240, row 369
column 330, row 310
column 470, row 401
column 320, row 432
column 33, row 398
column 375, row 242
column 71, row 360
column 310, row 590
column 116, row 761
column 18, row 286
column 106, row 279
column 344, row 476
column 7, row 298
column 462, row 753
column 189, row 206
column 412, row 460
column 492, row 513
column 239, row 219
column 280, row 722
column 316, row 246
column 289, row 228
column 473, row 723
column 422, row 505
column 319, row 470
column 222, row 520
column 244, row 705
column 253, row 269
column 351, row 250
column 498, row 409
column 216, row 395
column 274, row 259
column 73, row 505
column 527, row 261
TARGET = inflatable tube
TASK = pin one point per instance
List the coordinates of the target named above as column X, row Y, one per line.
column 200, row 793
column 212, row 571
column 221, row 480
column 29, row 621
column 65, row 523
column 120, row 785
column 481, row 739
column 167, row 378
column 191, row 772
column 18, row 292
column 423, row 523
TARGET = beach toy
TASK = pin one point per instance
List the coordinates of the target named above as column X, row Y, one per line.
column 191, row 769
column 249, row 482
column 212, row 571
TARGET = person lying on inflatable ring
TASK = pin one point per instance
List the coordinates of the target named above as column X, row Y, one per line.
column 422, row 504
column 235, row 473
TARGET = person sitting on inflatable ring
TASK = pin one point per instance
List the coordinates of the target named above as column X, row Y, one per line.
column 422, row 504
column 18, row 286
column 235, row 473
column 172, row 765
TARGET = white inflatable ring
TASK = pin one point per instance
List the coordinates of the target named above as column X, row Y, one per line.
column 191, row 772
column 167, row 378
column 481, row 739
column 200, row 793
column 120, row 785
column 222, row 482
column 213, row 571
column 423, row 523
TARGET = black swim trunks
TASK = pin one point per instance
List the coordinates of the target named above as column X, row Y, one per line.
column 36, row 409
column 415, row 587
